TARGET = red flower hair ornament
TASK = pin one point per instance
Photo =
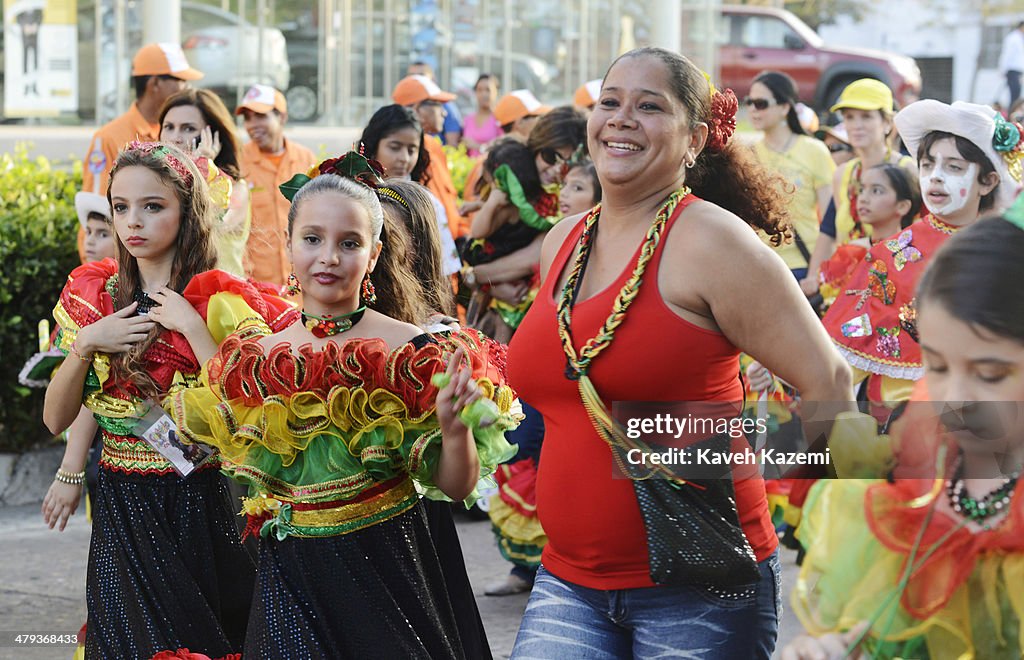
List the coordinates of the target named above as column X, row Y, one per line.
column 352, row 165
column 722, row 124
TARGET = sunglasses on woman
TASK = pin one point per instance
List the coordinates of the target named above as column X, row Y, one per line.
column 839, row 147
column 551, row 156
column 759, row 104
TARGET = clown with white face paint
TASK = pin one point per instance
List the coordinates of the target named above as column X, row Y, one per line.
column 949, row 182
column 969, row 163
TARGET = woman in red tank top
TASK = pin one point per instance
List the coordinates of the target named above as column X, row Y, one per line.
column 656, row 307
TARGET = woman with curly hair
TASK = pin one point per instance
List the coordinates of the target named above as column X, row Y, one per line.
column 649, row 297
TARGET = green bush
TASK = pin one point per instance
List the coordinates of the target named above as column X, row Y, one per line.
column 38, row 229
column 460, row 164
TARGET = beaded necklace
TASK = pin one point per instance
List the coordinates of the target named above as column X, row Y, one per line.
column 577, row 365
column 329, row 325
column 979, row 510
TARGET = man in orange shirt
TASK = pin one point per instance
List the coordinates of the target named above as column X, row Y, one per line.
column 267, row 161
column 427, row 99
column 158, row 72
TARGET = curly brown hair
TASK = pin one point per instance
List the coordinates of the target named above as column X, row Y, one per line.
column 195, row 251
column 731, row 178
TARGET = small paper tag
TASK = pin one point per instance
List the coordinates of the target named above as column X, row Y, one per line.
column 159, row 430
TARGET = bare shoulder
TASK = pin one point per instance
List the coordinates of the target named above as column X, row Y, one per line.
column 288, row 335
column 710, row 248
column 395, row 333
column 709, row 229
column 555, row 238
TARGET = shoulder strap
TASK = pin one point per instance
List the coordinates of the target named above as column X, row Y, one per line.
column 800, row 245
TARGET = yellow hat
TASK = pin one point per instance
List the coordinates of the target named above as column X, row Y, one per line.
column 865, row 94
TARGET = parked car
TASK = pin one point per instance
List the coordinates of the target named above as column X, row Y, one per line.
column 760, row 38
column 227, row 49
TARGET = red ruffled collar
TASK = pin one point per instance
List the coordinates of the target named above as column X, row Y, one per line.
column 245, row 370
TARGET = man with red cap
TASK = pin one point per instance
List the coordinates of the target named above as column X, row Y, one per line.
column 158, row 72
column 424, row 96
column 267, row 161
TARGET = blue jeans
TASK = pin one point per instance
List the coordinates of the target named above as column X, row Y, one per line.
column 567, row 621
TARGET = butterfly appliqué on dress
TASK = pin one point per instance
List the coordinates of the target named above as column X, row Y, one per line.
column 903, row 252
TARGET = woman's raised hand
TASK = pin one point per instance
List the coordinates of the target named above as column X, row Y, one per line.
column 175, row 313
column 115, row 333
column 458, row 392
column 209, row 143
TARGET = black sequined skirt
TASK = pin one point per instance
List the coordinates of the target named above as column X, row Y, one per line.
column 456, row 578
column 374, row 593
column 166, row 569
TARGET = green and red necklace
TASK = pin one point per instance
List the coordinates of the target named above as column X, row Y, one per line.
column 329, row 325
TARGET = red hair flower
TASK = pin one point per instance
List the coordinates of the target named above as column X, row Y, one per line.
column 723, row 119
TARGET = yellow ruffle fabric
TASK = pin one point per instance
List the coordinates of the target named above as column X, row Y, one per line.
column 311, row 448
column 848, row 577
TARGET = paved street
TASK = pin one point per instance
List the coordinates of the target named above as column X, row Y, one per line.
column 42, row 582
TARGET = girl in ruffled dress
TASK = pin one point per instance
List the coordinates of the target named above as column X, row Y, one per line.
column 329, row 422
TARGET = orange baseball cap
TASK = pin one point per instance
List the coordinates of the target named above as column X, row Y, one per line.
column 518, row 104
column 417, row 89
column 262, row 99
column 587, row 93
column 163, row 59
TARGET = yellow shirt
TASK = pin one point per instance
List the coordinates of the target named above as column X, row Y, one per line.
column 808, row 166
column 266, row 252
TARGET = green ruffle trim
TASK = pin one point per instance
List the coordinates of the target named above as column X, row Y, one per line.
column 508, row 183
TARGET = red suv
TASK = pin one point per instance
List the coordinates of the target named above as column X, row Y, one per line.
column 760, row 38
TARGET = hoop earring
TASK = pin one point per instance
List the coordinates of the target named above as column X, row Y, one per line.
column 293, row 288
column 690, row 163
column 369, row 294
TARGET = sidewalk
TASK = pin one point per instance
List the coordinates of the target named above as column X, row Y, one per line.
column 42, row 583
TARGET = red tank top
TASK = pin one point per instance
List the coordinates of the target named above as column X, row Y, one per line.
column 596, row 536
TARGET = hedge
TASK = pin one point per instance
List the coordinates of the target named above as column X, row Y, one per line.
column 38, row 229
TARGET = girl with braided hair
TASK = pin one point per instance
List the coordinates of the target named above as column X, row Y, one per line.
column 651, row 296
